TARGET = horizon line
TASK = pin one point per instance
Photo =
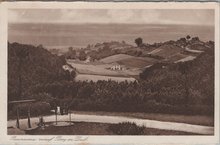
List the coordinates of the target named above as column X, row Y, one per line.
column 91, row 23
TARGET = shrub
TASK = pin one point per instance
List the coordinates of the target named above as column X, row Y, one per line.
column 126, row 128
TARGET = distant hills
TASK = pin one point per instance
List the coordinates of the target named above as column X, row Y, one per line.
column 169, row 51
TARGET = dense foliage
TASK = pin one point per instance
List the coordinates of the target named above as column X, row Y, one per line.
column 29, row 66
column 126, row 128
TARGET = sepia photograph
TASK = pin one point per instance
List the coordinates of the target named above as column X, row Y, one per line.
column 111, row 71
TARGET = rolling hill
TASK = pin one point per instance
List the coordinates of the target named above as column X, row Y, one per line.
column 167, row 50
column 116, row 58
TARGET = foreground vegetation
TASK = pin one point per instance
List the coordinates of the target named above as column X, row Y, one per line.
column 173, row 88
column 83, row 128
column 189, row 119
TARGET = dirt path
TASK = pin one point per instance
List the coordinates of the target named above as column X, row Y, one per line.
column 116, row 119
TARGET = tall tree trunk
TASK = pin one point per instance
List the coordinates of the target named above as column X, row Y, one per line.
column 20, row 80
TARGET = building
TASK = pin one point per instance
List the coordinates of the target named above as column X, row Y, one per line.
column 66, row 67
column 117, row 67
column 88, row 59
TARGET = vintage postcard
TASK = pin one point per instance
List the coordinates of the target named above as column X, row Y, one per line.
column 107, row 73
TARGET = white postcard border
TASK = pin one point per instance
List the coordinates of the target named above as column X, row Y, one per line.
column 25, row 139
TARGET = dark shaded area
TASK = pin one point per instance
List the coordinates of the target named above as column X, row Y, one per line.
column 126, row 128
column 30, row 66
column 83, row 128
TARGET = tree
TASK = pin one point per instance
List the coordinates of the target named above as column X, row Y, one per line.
column 195, row 39
column 71, row 54
column 183, row 39
column 138, row 41
column 70, row 49
column 188, row 37
column 82, row 55
column 22, row 54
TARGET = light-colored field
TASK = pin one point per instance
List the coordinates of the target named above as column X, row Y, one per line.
column 137, row 62
column 95, row 78
column 188, row 58
column 155, row 51
column 102, row 69
column 129, row 61
column 117, row 57
column 177, row 57
column 193, row 51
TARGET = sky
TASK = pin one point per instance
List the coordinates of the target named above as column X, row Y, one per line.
column 118, row 16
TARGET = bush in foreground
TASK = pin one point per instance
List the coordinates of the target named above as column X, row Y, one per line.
column 126, row 128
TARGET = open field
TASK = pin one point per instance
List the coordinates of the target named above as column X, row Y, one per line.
column 137, row 62
column 154, row 51
column 188, row 58
column 102, row 69
column 177, row 57
column 190, row 119
column 95, row 78
column 83, row 128
column 166, row 51
column 115, row 58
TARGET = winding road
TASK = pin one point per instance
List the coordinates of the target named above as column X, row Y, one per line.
column 199, row 129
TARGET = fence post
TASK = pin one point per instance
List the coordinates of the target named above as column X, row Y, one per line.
column 17, row 122
column 29, row 115
column 56, row 114
column 70, row 116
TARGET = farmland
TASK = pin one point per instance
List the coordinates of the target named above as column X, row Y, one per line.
column 115, row 58
column 95, row 78
column 132, row 61
column 167, row 50
column 137, row 62
column 101, row 69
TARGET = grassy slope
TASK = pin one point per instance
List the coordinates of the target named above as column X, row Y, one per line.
column 137, row 62
column 129, row 61
column 115, row 58
column 168, row 50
